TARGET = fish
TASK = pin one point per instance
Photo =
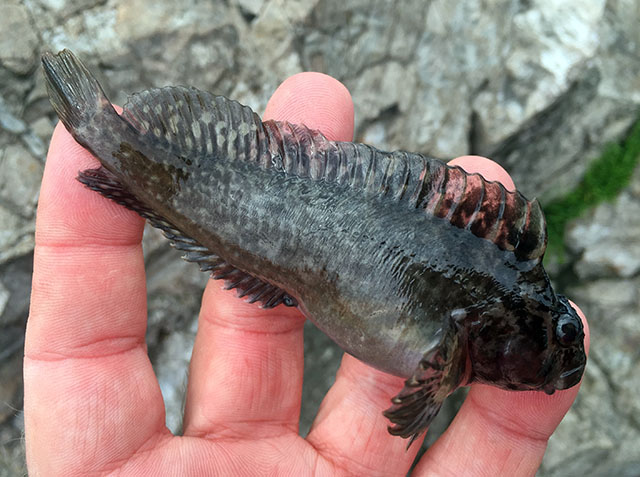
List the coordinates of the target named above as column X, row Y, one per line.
column 413, row 266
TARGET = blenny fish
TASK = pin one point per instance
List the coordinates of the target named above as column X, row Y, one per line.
column 415, row 267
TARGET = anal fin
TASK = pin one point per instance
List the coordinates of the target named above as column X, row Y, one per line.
column 249, row 286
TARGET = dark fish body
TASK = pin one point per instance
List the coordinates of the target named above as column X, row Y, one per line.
column 413, row 266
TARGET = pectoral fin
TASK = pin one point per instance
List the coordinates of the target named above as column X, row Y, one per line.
column 420, row 400
column 439, row 373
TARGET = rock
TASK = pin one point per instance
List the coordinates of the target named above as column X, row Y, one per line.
column 380, row 93
column 274, row 31
column 607, row 238
column 20, row 177
column 8, row 121
column 4, row 298
column 529, row 84
column 15, row 283
column 322, row 359
column 171, row 365
column 552, row 51
column 12, row 460
column 16, row 234
column 601, row 433
column 11, row 386
column 250, row 8
column 174, row 288
column 67, row 8
column 18, row 39
column 42, row 128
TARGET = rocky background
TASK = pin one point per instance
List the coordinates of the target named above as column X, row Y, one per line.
column 539, row 85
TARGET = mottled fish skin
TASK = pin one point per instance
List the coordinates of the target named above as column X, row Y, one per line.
column 413, row 266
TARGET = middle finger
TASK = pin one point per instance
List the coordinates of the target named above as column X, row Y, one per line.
column 246, row 370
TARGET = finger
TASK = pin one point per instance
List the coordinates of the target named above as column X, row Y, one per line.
column 497, row 432
column 490, row 170
column 350, row 430
column 87, row 376
column 316, row 100
column 247, row 364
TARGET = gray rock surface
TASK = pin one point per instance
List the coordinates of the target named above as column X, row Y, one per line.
column 539, row 85
column 607, row 239
column 602, row 431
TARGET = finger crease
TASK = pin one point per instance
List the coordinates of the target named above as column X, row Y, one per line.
column 246, row 431
column 260, row 332
column 345, row 463
column 104, row 348
column 88, row 245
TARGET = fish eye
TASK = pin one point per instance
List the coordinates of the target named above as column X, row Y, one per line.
column 568, row 329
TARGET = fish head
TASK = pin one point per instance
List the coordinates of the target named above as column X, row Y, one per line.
column 531, row 348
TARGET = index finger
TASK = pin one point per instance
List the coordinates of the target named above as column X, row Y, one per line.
column 87, row 376
column 498, row 432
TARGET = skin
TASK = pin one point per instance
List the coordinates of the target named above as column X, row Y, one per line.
column 93, row 403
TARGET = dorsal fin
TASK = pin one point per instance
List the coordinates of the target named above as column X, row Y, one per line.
column 195, row 124
column 201, row 126
column 467, row 201
column 295, row 149
column 256, row 290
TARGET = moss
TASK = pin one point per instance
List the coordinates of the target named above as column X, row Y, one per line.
column 605, row 178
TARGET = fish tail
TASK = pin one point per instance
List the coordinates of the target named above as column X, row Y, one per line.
column 73, row 91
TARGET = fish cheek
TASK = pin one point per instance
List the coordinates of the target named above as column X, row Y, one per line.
column 502, row 355
column 524, row 364
column 485, row 352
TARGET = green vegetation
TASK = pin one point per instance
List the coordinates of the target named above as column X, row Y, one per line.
column 603, row 180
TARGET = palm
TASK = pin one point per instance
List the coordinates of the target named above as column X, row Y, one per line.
column 92, row 401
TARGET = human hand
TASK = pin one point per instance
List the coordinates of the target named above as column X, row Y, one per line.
column 93, row 403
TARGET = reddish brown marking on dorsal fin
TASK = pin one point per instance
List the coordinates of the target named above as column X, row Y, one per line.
column 513, row 220
column 434, row 184
column 533, row 240
column 452, row 194
column 470, row 203
column 490, row 211
column 486, row 208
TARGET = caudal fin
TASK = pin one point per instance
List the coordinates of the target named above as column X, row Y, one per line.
column 73, row 91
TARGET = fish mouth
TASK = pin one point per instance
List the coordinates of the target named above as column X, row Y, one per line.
column 569, row 378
